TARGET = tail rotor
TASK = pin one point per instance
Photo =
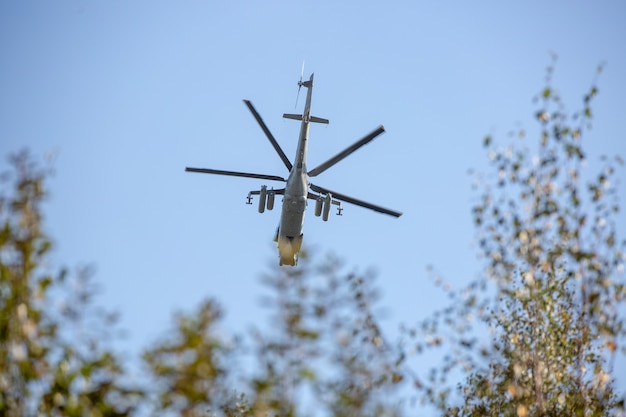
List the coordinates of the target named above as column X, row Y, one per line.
column 300, row 84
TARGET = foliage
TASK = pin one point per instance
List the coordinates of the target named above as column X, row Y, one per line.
column 326, row 345
column 189, row 365
column 552, row 292
column 323, row 354
column 50, row 364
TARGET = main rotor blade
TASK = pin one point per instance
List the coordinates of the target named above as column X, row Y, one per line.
column 332, row 161
column 352, row 200
column 269, row 135
column 236, row 174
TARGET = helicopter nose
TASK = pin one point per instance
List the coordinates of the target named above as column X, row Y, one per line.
column 288, row 248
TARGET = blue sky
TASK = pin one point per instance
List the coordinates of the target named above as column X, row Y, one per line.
column 126, row 94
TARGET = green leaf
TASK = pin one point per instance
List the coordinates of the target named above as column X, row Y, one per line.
column 307, row 373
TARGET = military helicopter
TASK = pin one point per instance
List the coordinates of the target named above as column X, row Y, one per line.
column 298, row 188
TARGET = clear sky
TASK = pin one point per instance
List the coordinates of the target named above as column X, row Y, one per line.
column 128, row 93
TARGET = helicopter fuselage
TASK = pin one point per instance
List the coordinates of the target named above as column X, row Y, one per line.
column 290, row 234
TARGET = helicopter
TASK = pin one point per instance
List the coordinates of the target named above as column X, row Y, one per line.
column 298, row 189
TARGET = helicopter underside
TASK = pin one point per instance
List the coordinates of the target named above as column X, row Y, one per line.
column 288, row 249
column 289, row 233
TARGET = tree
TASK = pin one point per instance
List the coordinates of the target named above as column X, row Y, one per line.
column 324, row 354
column 49, row 363
column 191, row 365
column 552, row 292
column 326, row 342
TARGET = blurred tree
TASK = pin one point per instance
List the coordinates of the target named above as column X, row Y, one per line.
column 190, row 365
column 325, row 344
column 52, row 362
column 553, row 289
column 323, row 354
